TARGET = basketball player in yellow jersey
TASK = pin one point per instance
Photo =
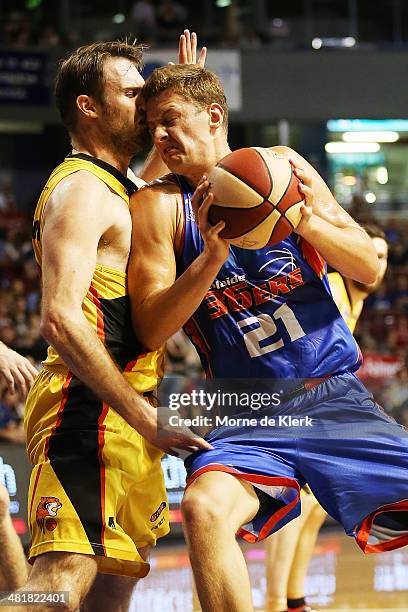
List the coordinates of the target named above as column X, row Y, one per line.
column 289, row 551
column 97, row 499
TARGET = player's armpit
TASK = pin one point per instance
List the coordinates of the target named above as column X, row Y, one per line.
column 325, row 205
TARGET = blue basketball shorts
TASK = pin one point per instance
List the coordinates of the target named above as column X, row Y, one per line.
column 337, row 439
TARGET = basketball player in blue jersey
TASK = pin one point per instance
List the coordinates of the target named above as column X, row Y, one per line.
column 262, row 314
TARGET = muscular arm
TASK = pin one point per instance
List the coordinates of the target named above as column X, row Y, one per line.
column 330, row 229
column 161, row 305
column 76, row 217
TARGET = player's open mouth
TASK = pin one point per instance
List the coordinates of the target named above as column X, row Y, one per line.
column 171, row 150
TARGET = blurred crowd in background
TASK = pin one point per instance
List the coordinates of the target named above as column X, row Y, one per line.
column 49, row 24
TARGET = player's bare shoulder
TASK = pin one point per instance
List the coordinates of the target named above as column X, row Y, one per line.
column 157, row 203
column 83, row 200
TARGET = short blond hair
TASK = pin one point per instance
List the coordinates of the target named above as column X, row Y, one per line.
column 191, row 82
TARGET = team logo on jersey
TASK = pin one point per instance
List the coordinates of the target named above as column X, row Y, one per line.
column 46, row 511
column 227, row 282
column 280, row 262
column 158, row 512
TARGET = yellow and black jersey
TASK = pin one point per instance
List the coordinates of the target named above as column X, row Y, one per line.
column 348, row 311
column 106, row 304
column 97, row 485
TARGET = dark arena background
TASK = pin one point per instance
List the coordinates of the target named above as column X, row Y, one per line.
column 325, row 77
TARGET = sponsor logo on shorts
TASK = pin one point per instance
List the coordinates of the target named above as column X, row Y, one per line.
column 111, row 522
column 158, row 512
column 46, row 512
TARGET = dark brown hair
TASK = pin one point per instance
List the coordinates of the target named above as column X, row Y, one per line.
column 82, row 72
column 193, row 83
column 374, row 230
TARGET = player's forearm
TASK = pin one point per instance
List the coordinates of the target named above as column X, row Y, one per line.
column 348, row 250
column 87, row 358
column 160, row 315
column 13, row 566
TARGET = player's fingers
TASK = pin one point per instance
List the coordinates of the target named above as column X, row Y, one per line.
column 202, row 57
column 303, row 176
column 9, row 380
column 182, row 50
column 306, row 211
column 188, row 46
column 203, row 444
column 202, row 216
column 306, row 190
column 216, row 229
column 20, row 382
column 193, row 47
column 33, row 371
column 198, row 195
column 28, row 375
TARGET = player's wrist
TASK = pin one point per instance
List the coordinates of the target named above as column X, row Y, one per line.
column 213, row 259
column 308, row 225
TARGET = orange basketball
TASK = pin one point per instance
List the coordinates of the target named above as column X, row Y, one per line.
column 258, row 197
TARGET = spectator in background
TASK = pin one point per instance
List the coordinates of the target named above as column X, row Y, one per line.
column 170, row 17
column 380, row 300
column 181, row 357
column 11, row 413
column 399, row 295
column 143, row 16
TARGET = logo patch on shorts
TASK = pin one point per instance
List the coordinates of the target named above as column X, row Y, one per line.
column 46, row 511
column 111, row 522
column 158, row 512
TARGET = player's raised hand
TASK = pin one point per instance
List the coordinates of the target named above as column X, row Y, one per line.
column 16, row 371
column 188, row 50
column 201, row 201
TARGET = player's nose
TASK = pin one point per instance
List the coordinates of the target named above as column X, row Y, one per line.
column 159, row 134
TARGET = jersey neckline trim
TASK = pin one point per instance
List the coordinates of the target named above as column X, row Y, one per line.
column 129, row 185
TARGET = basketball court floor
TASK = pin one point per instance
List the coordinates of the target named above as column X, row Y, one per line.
column 341, row 578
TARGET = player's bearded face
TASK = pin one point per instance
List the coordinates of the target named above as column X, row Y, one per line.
column 118, row 118
column 120, row 129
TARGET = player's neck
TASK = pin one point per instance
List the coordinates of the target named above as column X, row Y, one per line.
column 194, row 174
column 119, row 162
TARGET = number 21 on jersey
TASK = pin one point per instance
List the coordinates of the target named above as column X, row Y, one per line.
column 258, row 340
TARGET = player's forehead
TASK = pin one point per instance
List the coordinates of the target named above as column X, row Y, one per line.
column 166, row 101
column 122, row 72
column 380, row 246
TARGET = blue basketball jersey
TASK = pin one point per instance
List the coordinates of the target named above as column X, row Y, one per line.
column 269, row 313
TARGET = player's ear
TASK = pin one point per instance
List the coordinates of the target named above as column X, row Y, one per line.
column 86, row 105
column 216, row 113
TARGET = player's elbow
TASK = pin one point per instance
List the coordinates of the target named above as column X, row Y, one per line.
column 369, row 270
column 148, row 338
column 54, row 323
